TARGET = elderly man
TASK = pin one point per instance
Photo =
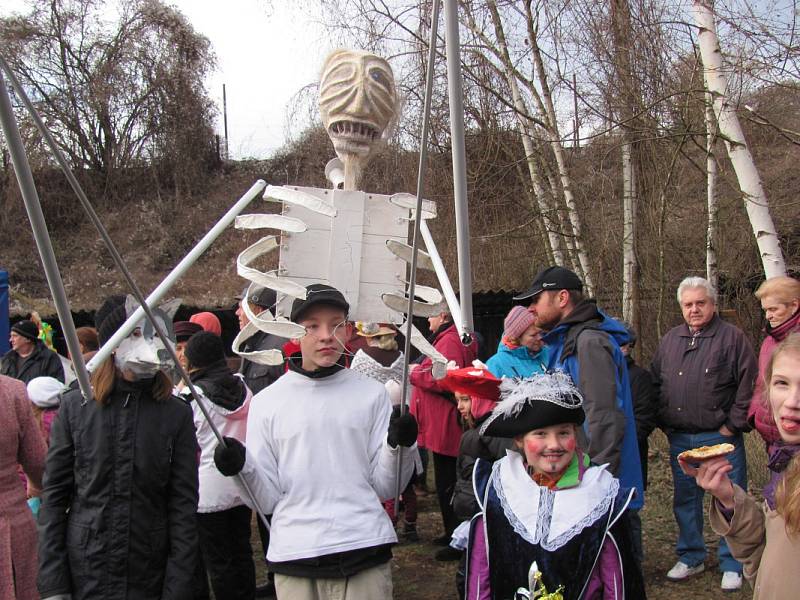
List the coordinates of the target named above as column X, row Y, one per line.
column 29, row 357
column 705, row 369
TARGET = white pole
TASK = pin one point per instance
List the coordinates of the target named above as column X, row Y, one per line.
column 456, row 101
column 441, row 274
column 33, row 206
column 157, row 294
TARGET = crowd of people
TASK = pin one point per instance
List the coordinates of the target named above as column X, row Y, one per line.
column 149, row 489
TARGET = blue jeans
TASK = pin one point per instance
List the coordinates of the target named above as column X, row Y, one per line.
column 687, row 499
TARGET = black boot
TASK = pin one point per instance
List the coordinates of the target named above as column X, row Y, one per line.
column 410, row 532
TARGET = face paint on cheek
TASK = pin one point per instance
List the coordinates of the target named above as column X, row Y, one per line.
column 570, row 444
column 534, row 446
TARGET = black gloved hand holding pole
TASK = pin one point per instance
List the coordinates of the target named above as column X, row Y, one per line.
column 402, row 429
column 230, row 458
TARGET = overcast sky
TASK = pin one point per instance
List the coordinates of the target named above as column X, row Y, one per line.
column 266, row 52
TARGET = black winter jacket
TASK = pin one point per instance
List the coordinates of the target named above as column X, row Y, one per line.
column 474, row 446
column 258, row 376
column 43, row 362
column 645, row 400
column 117, row 520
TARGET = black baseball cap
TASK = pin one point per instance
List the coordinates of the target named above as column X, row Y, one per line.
column 259, row 295
column 318, row 293
column 552, row 278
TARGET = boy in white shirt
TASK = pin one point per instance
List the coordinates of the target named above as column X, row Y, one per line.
column 322, row 447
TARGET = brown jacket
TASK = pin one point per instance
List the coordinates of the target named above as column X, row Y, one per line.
column 757, row 538
column 706, row 380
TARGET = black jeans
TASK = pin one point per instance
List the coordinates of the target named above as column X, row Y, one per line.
column 228, row 557
column 444, row 472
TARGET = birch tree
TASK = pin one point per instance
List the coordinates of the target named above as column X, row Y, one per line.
column 629, row 107
column 543, row 111
column 755, row 198
column 712, row 275
column 524, row 125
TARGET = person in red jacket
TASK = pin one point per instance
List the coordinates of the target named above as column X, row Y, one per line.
column 435, row 410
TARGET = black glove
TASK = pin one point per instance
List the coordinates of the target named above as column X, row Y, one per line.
column 402, row 429
column 230, row 458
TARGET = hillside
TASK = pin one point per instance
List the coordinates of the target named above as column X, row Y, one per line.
column 154, row 226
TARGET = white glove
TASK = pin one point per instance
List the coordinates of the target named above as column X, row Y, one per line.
column 478, row 364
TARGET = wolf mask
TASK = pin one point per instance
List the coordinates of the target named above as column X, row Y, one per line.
column 142, row 354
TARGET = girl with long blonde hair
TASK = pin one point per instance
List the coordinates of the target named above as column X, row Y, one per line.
column 765, row 539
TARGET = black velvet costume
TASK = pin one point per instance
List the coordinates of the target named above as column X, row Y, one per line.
column 571, row 565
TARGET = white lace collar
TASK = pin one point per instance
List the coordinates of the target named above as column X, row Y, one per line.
column 551, row 518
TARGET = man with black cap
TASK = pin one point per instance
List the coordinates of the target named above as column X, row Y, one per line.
column 322, row 449
column 585, row 342
column 29, row 357
column 258, row 376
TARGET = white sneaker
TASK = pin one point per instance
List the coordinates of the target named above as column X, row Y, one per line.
column 731, row 581
column 682, row 571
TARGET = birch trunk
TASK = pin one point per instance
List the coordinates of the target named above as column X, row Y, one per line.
column 628, row 234
column 755, row 199
column 545, row 207
column 711, row 195
column 558, row 151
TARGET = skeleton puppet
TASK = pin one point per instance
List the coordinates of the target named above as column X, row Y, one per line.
column 350, row 239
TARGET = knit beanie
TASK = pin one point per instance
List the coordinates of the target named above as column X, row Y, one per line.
column 26, row 329
column 204, row 349
column 208, row 321
column 110, row 317
column 517, row 322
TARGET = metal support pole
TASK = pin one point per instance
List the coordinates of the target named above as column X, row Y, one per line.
column 180, row 269
column 456, row 97
column 441, row 275
column 117, row 258
column 34, row 209
column 423, row 160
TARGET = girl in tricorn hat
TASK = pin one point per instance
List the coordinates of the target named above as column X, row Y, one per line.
column 549, row 518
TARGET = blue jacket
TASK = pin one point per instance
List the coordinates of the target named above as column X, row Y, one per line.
column 586, row 344
column 517, row 362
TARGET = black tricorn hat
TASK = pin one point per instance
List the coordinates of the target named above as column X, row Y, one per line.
column 534, row 403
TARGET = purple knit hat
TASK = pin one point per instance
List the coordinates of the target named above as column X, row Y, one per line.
column 517, row 322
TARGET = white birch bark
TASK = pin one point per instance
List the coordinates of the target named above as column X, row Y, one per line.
column 545, row 207
column 558, row 151
column 628, row 233
column 755, row 199
column 712, row 274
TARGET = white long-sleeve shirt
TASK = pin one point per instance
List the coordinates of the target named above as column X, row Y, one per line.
column 317, row 459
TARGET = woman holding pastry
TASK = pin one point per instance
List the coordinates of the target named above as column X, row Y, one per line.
column 766, row 539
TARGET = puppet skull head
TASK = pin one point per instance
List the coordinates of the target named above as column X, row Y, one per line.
column 357, row 101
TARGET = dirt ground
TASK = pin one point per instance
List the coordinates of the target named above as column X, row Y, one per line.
column 417, row 576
